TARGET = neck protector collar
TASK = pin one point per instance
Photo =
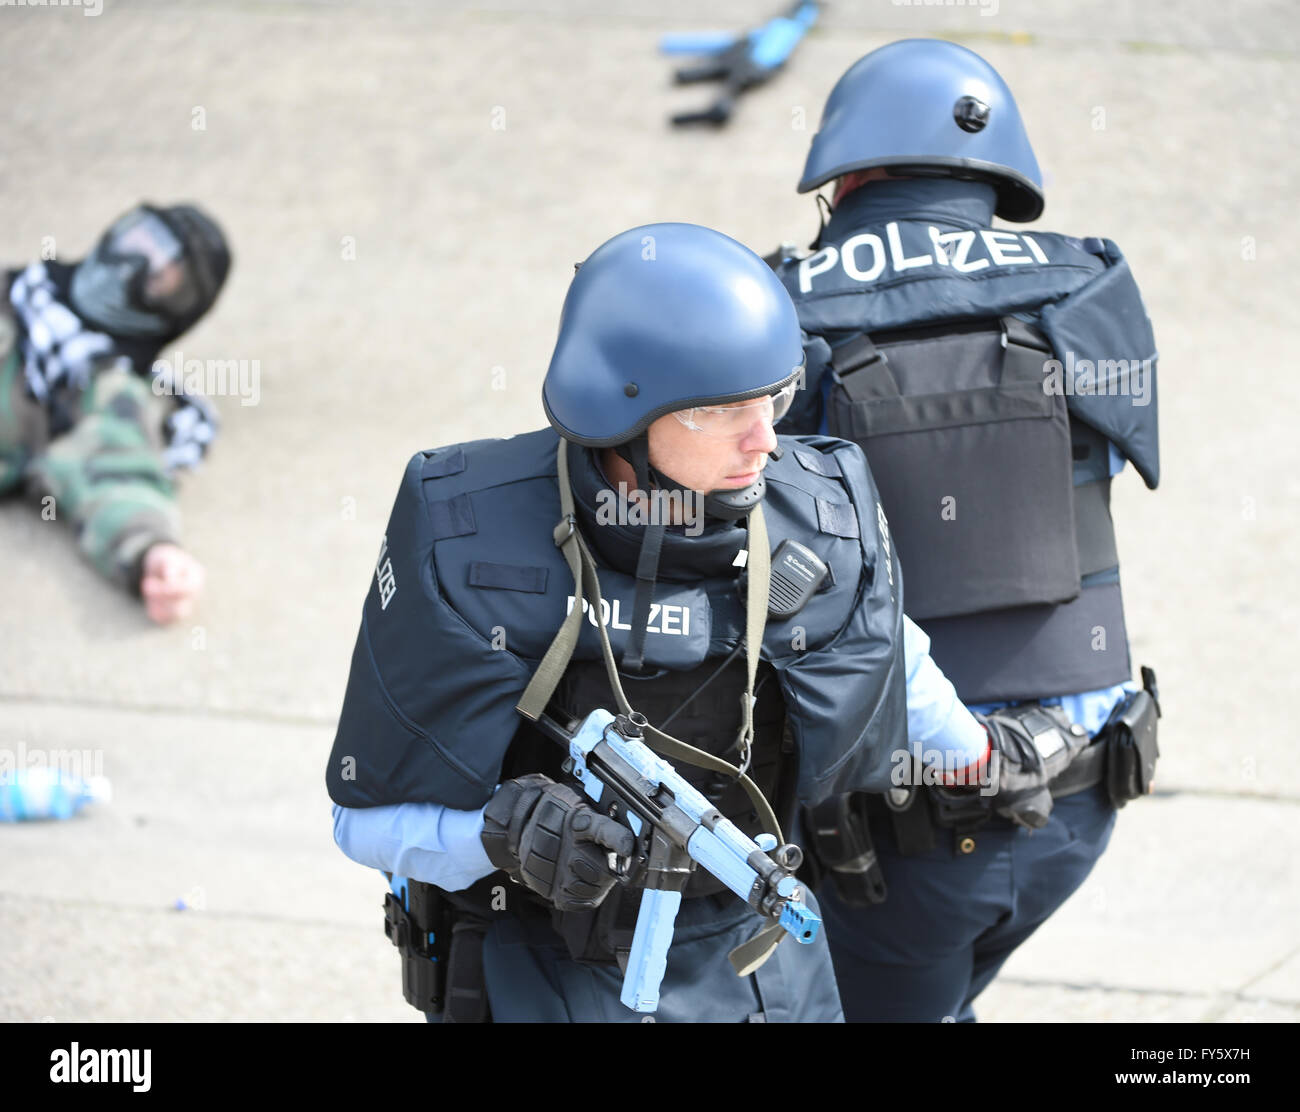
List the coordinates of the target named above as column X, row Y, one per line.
column 683, row 558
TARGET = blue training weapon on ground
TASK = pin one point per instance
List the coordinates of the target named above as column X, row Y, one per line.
column 676, row 829
column 742, row 61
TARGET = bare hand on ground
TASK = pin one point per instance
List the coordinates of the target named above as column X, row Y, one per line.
column 170, row 583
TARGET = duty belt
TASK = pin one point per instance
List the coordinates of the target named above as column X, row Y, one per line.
column 1122, row 757
column 1087, row 770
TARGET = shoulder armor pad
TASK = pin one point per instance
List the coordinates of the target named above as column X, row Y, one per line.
column 480, row 464
column 429, row 707
column 1103, row 339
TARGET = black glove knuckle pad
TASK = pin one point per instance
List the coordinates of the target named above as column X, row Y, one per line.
column 554, row 841
column 544, row 839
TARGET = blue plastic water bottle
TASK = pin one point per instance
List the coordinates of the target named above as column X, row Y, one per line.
column 47, row 793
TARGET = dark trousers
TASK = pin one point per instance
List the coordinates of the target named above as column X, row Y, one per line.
column 950, row 922
column 531, row 978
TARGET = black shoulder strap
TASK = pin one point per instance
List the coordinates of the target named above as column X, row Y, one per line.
column 1025, row 350
column 1024, row 335
column 862, row 370
column 854, row 354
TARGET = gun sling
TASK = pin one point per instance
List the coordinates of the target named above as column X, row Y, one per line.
column 749, row 955
column 546, row 679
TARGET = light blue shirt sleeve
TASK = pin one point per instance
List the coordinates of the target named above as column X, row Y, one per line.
column 941, row 732
column 424, row 841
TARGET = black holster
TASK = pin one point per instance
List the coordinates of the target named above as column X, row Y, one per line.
column 1131, row 747
column 839, row 845
column 441, row 947
column 418, row 926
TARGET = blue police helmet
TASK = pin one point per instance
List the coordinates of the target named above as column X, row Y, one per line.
column 934, row 108
column 665, row 317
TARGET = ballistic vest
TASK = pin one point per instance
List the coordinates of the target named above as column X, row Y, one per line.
column 985, row 373
column 469, row 591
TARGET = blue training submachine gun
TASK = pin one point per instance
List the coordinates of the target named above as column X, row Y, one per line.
column 741, row 61
column 676, row 828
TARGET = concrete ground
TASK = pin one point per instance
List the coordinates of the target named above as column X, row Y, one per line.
column 407, row 188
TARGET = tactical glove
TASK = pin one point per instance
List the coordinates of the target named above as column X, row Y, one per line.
column 1031, row 746
column 547, row 838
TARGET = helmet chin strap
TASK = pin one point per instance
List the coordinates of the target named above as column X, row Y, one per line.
column 725, row 505
column 637, row 453
column 824, row 210
column 732, row 505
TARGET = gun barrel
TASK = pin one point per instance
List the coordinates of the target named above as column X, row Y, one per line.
column 799, row 921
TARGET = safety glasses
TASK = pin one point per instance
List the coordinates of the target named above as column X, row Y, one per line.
column 731, row 422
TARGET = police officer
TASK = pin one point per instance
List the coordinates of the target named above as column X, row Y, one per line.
column 677, row 350
column 996, row 380
column 78, row 343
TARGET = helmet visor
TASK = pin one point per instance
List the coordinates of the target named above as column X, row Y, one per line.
column 157, row 257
